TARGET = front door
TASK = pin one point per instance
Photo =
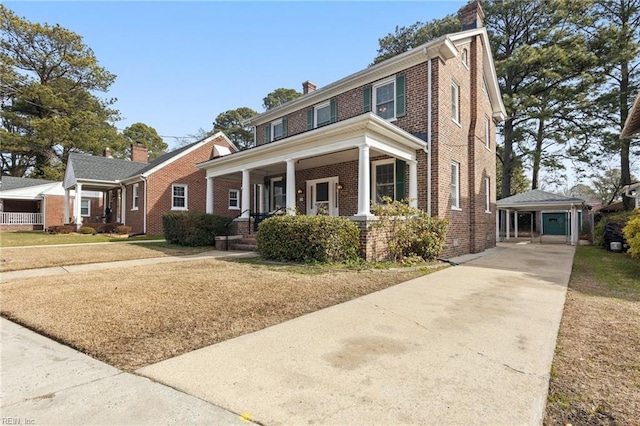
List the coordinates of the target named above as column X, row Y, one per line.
column 322, row 197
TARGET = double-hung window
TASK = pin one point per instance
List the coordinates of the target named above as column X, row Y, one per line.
column 384, row 183
column 322, row 114
column 487, row 195
column 277, row 130
column 455, row 102
column 234, row 199
column 487, row 133
column 384, row 98
column 455, row 185
column 135, row 197
column 85, row 207
column 178, row 197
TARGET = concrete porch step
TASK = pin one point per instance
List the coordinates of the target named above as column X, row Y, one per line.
column 244, row 247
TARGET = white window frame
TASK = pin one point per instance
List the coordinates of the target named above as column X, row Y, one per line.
column 465, row 58
column 487, row 133
column 88, row 201
column 455, row 186
column 374, row 178
column 455, row 102
column 272, row 192
column 237, row 199
column 274, row 124
column 173, row 196
column 487, row 195
column 135, row 197
column 374, row 104
column 318, row 107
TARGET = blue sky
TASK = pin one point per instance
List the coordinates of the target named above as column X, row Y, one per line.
column 179, row 64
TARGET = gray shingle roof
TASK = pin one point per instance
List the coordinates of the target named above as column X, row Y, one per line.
column 102, row 168
column 166, row 157
column 11, row 182
column 538, row 196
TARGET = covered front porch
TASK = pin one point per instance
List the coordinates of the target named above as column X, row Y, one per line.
column 338, row 170
column 77, row 212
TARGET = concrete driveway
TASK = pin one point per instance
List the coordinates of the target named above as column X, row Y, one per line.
column 472, row 344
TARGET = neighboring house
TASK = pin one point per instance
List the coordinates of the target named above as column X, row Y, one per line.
column 418, row 127
column 138, row 193
column 36, row 204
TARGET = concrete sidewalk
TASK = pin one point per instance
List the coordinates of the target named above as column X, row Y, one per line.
column 44, row 382
column 70, row 269
column 471, row 344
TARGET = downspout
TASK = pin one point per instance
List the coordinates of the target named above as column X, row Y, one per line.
column 429, row 136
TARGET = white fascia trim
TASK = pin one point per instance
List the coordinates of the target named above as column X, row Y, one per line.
column 538, row 207
column 364, row 129
column 631, row 187
column 632, row 124
column 441, row 46
column 97, row 182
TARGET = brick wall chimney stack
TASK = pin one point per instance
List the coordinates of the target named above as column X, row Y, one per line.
column 471, row 16
column 107, row 153
column 308, row 87
column 139, row 153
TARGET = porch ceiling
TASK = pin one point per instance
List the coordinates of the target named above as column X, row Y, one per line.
column 332, row 144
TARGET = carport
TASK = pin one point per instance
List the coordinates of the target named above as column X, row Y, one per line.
column 553, row 211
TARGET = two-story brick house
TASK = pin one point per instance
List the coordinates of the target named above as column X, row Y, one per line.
column 138, row 193
column 419, row 126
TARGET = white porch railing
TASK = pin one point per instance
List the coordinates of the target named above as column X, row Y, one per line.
column 21, row 219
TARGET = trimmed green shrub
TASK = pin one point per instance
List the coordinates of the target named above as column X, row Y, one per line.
column 632, row 233
column 60, row 229
column 194, row 228
column 87, row 230
column 409, row 232
column 122, row 229
column 308, row 238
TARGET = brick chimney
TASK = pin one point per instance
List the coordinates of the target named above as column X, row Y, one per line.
column 139, row 153
column 308, row 87
column 471, row 16
column 107, row 153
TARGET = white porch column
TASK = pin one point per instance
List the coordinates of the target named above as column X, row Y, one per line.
column 515, row 222
column 77, row 205
column 364, row 181
column 508, row 214
column 122, row 192
column 67, row 199
column 209, row 196
column 246, row 194
column 260, row 198
column 497, row 225
column 413, row 183
column 574, row 225
column 291, row 187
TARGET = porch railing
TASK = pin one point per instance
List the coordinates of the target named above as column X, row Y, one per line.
column 21, row 219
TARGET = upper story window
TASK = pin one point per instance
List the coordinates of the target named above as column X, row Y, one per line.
column 277, row 130
column 487, row 195
column 322, row 114
column 384, row 99
column 85, row 207
column 455, row 102
column 178, row 197
column 455, row 185
column 465, row 57
column 487, row 133
column 135, row 197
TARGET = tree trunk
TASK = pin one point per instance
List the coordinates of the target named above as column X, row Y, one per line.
column 537, row 155
column 507, row 160
column 625, row 172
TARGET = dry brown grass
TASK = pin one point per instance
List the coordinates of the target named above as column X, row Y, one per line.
column 145, row 314
column 18, row 258
column 595, row 378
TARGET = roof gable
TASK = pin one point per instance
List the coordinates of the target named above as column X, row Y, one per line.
column 95, row 168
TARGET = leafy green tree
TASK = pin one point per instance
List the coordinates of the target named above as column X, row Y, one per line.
column 147, row 136
column 278, row 97
column 617, row 33
column 607, row 185
column 231, row 124
column 48, row 108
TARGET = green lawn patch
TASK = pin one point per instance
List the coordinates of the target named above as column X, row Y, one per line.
column 40, row 238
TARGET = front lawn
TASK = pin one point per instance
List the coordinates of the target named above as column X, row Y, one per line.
column 141, row 315
column 39, row 238
column 595, row 378
column 18, row 258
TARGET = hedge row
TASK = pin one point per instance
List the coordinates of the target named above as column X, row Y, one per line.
column 632, row 233
column 308, row 238
column 194, row 228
